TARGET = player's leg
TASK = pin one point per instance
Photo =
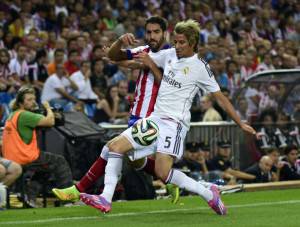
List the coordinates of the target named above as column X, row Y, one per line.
column 147, row 164
column 117, row 148
column 170, row 147
column 94, row 173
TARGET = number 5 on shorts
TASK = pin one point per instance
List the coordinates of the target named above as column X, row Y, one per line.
column 167, row 142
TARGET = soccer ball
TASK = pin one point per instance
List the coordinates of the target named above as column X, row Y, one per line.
column 144, row 132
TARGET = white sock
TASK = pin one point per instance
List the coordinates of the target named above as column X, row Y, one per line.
column 112, row 172
column 104, row 152
column 206, row 184
column 183, row 181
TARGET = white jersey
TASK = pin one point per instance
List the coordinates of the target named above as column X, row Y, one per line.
column 146, row 88
column 182, row 79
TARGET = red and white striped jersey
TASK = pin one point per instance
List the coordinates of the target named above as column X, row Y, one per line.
column 146, row 89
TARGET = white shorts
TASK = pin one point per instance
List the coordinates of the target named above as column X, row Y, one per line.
column 169, row 141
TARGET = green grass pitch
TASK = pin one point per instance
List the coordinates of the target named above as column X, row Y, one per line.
column 262, row 209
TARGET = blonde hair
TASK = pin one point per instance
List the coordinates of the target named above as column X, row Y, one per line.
column 191, row 30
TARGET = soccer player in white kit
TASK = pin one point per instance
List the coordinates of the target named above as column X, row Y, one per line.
column 184, row 74
column 146, row 91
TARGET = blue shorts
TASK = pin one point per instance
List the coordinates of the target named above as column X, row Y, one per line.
column 132, row 120
column 6, row 163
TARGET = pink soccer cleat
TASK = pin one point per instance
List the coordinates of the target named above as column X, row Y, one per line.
column 216, row 203
column 96, row 201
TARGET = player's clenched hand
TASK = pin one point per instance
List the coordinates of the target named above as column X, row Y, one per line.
column 145, row 59
column 128, row 39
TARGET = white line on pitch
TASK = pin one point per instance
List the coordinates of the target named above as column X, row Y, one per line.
column 148, row 212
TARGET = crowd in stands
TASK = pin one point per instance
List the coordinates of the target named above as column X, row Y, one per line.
column 59, row 48
column 274, row 165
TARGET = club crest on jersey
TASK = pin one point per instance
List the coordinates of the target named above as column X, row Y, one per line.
column 186, row 70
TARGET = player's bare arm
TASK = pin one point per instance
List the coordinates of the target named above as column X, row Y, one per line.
column 227, row 106
column 115, row 52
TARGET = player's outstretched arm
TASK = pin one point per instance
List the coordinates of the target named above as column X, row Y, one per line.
column 115, row 52
column 227, row 106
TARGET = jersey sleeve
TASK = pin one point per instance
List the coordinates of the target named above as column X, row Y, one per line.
column 207, row 79
column 161, row 57
column 132, row 52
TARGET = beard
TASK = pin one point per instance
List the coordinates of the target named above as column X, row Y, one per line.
column 155, row 45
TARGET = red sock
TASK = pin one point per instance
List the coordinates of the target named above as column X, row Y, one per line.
column 150, row 167
column 96, row 171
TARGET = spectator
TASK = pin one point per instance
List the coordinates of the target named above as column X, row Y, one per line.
column 209, row 30
column 222, row 163
column 98, row 78
column 32, row 44
column 16, row 27
column 9, row 171
column 98, row 53
column 249, row 66
column 84, row 48
column 266, row 64
column 267, row 129
column 284, row 134
column 269, row 99
column 274, row 154
column 234, row 76
column 58, row 59
column 277, row 61
column 193, row 162
column 107, row 108
column 20, row 141
column 210, row 114
column 291, row 167
column 7, row 82
column 261, row 171
column 61, row 7
column 242, row 110
column 60, row 44
column 124, row 104
column 252, row 96
column 81, row 78
column 85, row 92
column 37, row 72
column 73, row 62
column 205, row 148
column 18, row 66
column 57, row 89
column 39, row 17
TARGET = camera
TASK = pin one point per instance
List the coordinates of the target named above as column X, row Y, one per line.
column 58, row 114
